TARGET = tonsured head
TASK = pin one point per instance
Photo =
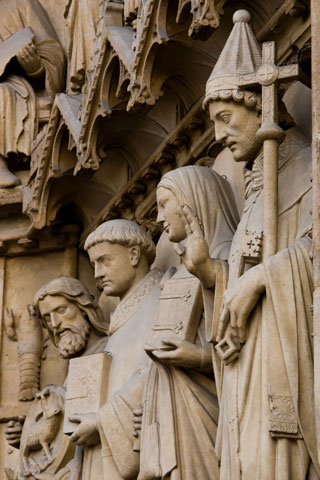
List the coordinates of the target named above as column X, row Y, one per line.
column 118, row 249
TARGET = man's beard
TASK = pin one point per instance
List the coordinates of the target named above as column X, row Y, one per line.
column 73, row 341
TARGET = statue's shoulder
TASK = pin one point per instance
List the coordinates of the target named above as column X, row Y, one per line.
column 295, row 169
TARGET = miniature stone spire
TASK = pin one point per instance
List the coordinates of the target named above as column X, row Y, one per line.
column 240, row 55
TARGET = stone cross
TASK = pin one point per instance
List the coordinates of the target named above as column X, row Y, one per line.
column 268, row 76
column 251, row 249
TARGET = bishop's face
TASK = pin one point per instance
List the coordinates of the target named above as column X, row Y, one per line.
column 168, row 215
column 236, row 127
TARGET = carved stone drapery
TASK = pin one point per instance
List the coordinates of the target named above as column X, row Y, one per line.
column 205, row 16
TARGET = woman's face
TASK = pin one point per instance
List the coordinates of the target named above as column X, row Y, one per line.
column 168, row 215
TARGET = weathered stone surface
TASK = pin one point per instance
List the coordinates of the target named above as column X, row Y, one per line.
column 172, row 241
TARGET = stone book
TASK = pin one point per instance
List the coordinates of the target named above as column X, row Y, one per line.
column 181, row 295
column 11, row 46
column 87, row 387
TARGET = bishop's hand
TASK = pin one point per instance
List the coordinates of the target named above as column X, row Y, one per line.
column 30, row 60
column 194, row 252
column 87, row 433
column 239, row 301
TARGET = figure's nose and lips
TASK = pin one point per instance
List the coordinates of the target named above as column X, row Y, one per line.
column 223, row 136
column 220, row 133
column 160, row 218
column 55, row 321
column 57, row 324
column 100, row 272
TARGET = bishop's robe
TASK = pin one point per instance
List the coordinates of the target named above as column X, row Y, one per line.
column 266, row 424
column 18, row 107
column 130, row 328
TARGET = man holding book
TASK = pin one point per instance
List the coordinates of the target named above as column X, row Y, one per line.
column 36, row 69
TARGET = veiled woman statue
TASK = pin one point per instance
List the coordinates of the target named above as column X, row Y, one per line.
column 180, row 410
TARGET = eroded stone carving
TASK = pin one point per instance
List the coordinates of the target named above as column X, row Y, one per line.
column 180, row 404
column 43, row 447
column 158, row 417
column 206, row 17
column 73, row 319
column 26, row 331
column 75, row 324
column 41, row 430
column 81, row 17
column 39, row 67
column 121, row 253
column 263, row 314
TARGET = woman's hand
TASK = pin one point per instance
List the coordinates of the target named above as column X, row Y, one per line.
column 87, row 433
column 178, row 353
column 194, row 252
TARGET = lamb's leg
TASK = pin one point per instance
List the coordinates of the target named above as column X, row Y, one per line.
column 46, row 449
column 25, row 461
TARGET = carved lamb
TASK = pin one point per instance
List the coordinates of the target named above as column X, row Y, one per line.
column 45, row 428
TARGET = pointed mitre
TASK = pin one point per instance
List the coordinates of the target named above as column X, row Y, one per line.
column 240, row 55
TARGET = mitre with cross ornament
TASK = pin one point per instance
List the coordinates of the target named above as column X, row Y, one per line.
column 242, row 65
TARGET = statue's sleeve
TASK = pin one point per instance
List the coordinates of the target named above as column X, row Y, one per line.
column 115, row 426
column 212, row 300
column 53, row 59
column 47, row 43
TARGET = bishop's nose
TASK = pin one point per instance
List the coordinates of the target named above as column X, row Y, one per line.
column 220, row 134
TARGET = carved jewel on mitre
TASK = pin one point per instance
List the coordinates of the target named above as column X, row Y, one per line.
column 240, row 55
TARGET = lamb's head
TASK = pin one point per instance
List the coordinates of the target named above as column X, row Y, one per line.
column 51, row 403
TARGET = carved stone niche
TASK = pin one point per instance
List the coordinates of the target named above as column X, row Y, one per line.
column 44, row 449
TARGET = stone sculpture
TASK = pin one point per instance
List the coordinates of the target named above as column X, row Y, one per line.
column 266, row 422
column 41, row 433
column 82, row 17
column 75, row 325
column 40, row 69
column 26, row 329
column 44, row 450
column 212, row 370
column 73, row 319
column 180, row 409
column 121, row 252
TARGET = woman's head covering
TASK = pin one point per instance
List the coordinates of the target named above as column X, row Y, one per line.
column 211, row 199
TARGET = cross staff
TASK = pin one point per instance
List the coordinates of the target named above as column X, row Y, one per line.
column 268, row 75
column 315, row 55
